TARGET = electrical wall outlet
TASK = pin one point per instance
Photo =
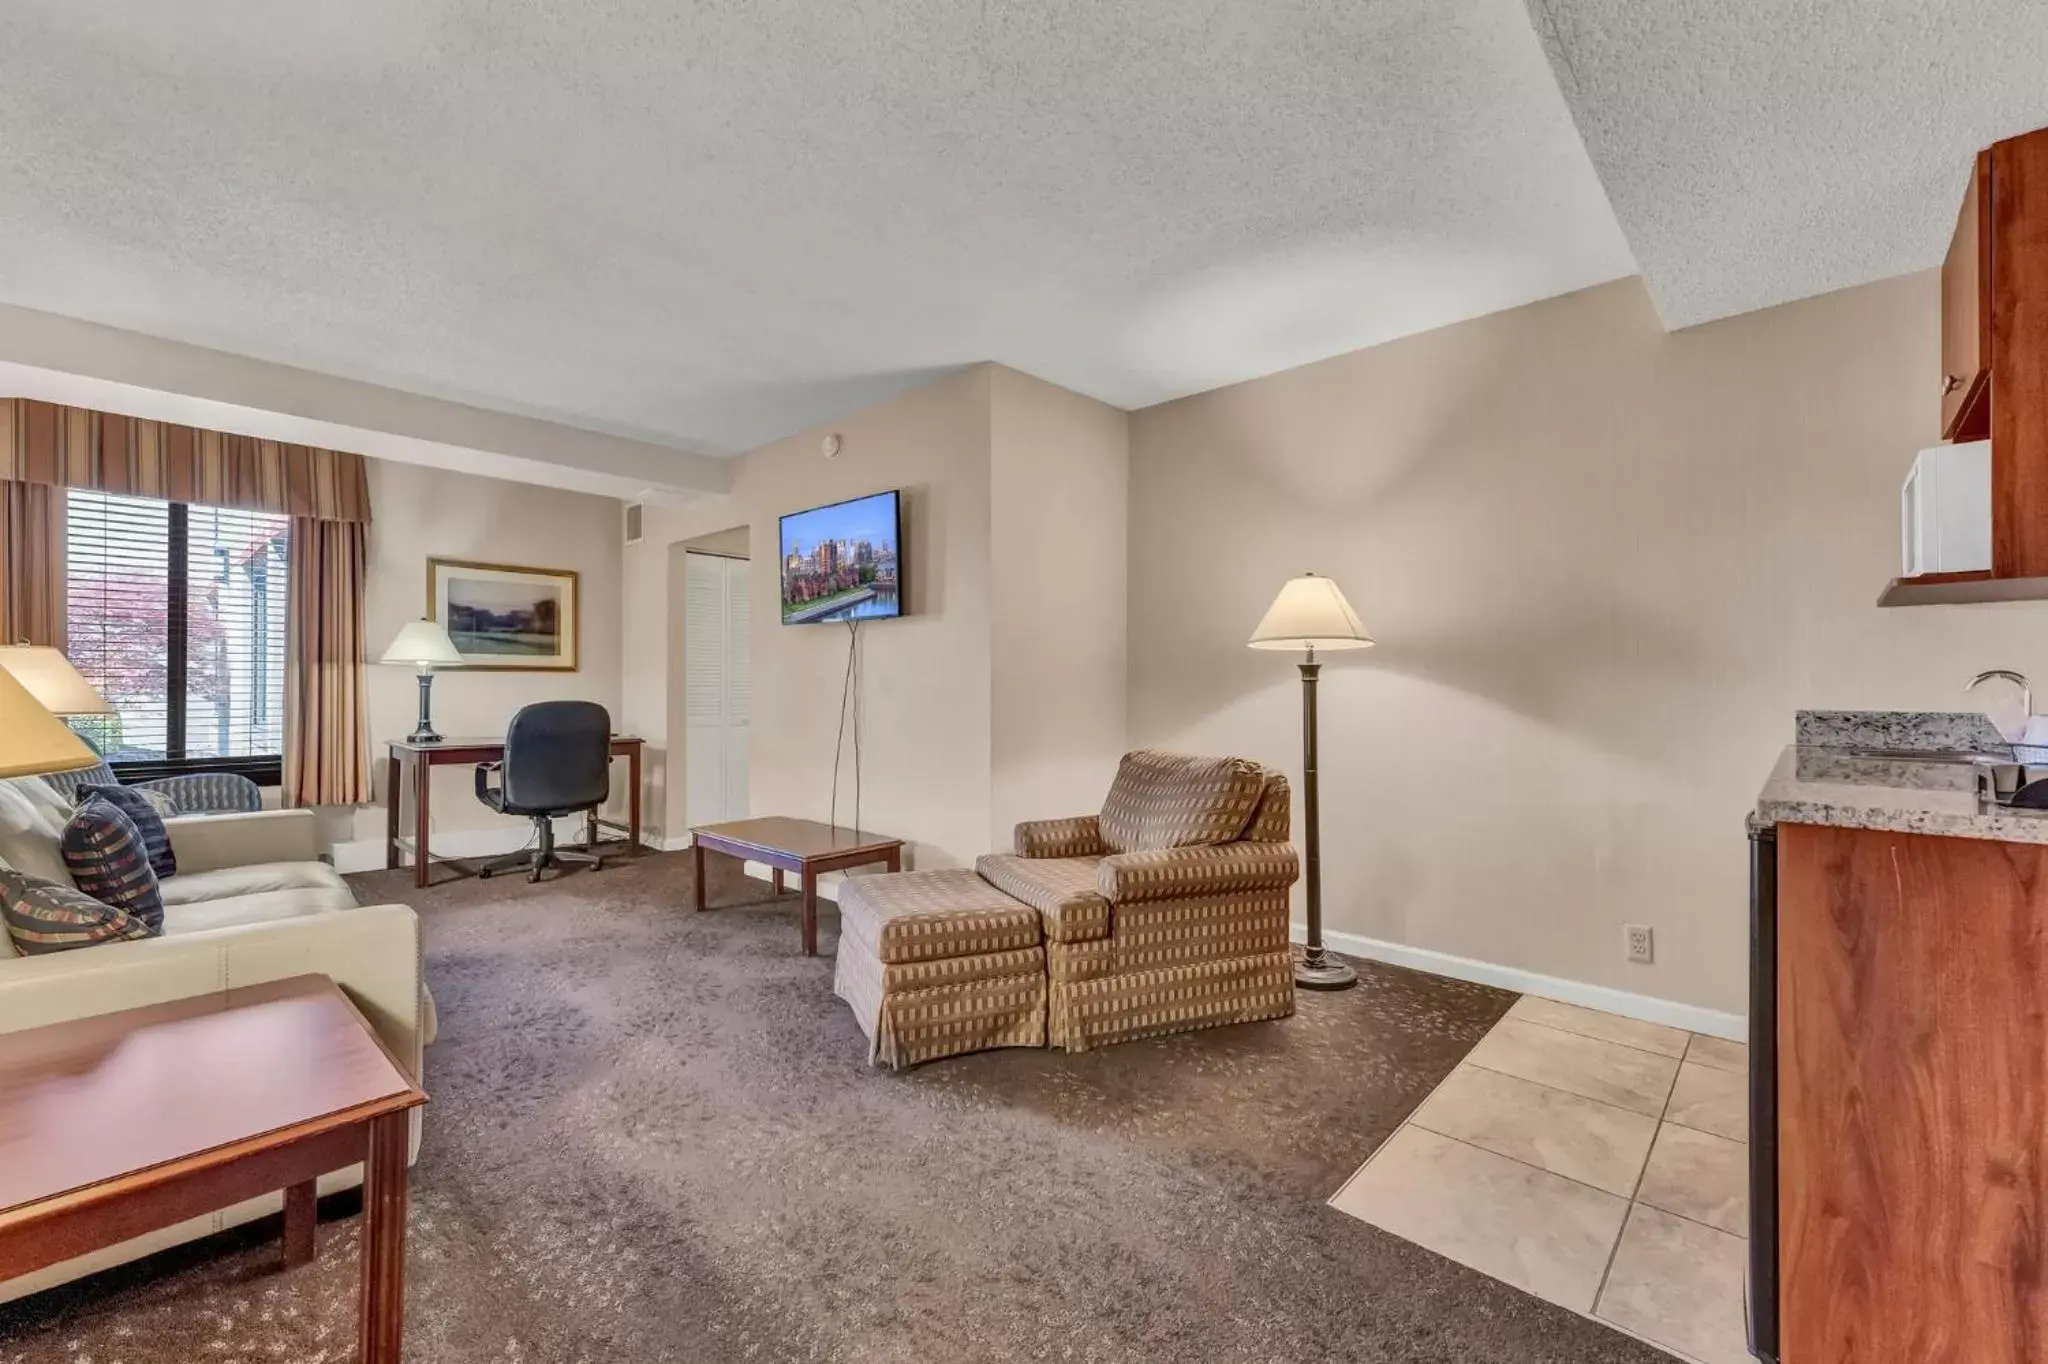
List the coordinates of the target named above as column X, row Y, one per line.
column 1642, row 942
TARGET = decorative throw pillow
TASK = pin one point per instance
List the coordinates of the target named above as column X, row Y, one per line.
column 148, row 821
column 104, row 852
column 43, row 916
column 1171, row 800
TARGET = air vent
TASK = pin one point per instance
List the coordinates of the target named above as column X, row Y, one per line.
column 634, row 529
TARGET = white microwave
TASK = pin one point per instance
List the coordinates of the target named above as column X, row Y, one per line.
column 1945, row 510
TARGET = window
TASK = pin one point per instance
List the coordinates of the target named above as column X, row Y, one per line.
column 176, row 613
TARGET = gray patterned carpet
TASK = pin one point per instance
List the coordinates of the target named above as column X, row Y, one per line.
column 653, row 1137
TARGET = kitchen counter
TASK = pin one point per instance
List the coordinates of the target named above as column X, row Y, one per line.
column 1837, row 789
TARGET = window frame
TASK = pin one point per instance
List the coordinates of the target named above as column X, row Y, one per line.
column 265, row 769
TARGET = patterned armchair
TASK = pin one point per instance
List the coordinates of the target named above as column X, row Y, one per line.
column 1169, row 910
column 198, row 793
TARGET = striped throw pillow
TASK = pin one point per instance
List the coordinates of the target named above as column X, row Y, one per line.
column 104, row 853
column 43, row 916
column 156, row 839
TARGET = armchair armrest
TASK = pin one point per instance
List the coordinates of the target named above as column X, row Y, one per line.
column 483, row 780
column 1177, row 873
column 210, row 842
column 1079, row 836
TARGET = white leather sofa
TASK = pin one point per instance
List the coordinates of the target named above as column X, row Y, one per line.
column 251, row 902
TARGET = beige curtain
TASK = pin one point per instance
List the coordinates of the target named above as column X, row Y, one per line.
column 326, row 710
column 31, row 563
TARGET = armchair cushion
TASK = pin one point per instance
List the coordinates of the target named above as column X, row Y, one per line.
column 1184, row 873
column 1173, row 800
column 257, row 878
column 1061, row 889
column 205, row 842
column 1080, row 836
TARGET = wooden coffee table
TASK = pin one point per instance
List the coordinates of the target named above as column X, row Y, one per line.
column 803, row 846
column 125, row 1123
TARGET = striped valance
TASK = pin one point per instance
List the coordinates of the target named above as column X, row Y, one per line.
column 80, row 448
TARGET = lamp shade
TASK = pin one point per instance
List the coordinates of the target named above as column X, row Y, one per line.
column 32, row 740
column 423, row 644
column 1310, row 613
column 52, row 680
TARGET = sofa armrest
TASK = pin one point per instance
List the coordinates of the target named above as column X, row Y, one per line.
column 372, row 953
column 1080, row 836
column 1178, row 873
column 210, row 842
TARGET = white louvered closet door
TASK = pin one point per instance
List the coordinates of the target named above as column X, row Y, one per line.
column 715, row 677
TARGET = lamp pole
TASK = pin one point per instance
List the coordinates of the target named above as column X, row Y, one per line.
column 1316, row 970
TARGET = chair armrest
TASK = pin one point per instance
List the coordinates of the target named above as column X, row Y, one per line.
column 372, row 953
column 1079, row 836
column 210, row 842
column 1179, row 873
column 483, row 780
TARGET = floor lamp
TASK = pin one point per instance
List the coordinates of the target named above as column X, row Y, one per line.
column 1310, row 614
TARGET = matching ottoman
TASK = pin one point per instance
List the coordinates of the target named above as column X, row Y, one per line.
column 936, row 963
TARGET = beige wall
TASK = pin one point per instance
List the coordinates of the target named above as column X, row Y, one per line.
column 1604, row 563
column 925, row 745
column 1000, row 693
column 420, row 513
column 1059, row 476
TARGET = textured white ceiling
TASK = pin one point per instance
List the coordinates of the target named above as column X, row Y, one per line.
column 1758, row 151
column 714, row 223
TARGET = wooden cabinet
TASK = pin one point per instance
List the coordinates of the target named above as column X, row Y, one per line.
column 1966, row 314
column 1912, row 1099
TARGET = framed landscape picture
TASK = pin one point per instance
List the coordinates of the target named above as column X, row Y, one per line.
column 506, row 617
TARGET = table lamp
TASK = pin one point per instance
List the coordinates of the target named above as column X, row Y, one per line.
column 52, row 680
column 32, row 740
column 423, row 644
column 1310, row 614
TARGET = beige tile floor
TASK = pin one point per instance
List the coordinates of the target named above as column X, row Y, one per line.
column 1595, row 1161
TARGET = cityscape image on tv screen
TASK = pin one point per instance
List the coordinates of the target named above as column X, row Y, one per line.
column 841, row 562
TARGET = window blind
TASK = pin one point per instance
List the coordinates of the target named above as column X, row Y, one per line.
column 177, row 614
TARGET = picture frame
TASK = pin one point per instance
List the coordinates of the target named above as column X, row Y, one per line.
column 508, row 617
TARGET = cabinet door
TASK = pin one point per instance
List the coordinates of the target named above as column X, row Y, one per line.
column 1966, row 314
column 1912, row 1098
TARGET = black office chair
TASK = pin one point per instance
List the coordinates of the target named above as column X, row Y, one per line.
column 558, row 761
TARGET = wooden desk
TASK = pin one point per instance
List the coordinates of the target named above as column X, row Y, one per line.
column 451, row 752
column 803, row 846
column 125, row 1123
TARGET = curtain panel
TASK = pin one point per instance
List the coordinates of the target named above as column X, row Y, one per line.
column 31, row 564
column 326, row 709
column 46, row 443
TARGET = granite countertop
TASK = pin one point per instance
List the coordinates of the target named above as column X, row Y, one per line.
column 1925, row 782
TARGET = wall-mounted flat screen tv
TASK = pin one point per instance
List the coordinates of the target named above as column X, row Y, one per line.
column 843, row 562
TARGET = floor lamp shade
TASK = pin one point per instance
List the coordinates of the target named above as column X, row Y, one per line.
column 1310, row 614
column 32, row 740
column 423, row 644
column 52, row 680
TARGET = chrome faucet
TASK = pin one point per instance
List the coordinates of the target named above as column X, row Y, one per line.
column 2017, row 679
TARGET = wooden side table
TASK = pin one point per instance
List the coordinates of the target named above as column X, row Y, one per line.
column 803, row 846
column 125, row 1123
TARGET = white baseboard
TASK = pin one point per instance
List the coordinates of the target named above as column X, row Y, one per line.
column 1648, row 1008
column 490, row 840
